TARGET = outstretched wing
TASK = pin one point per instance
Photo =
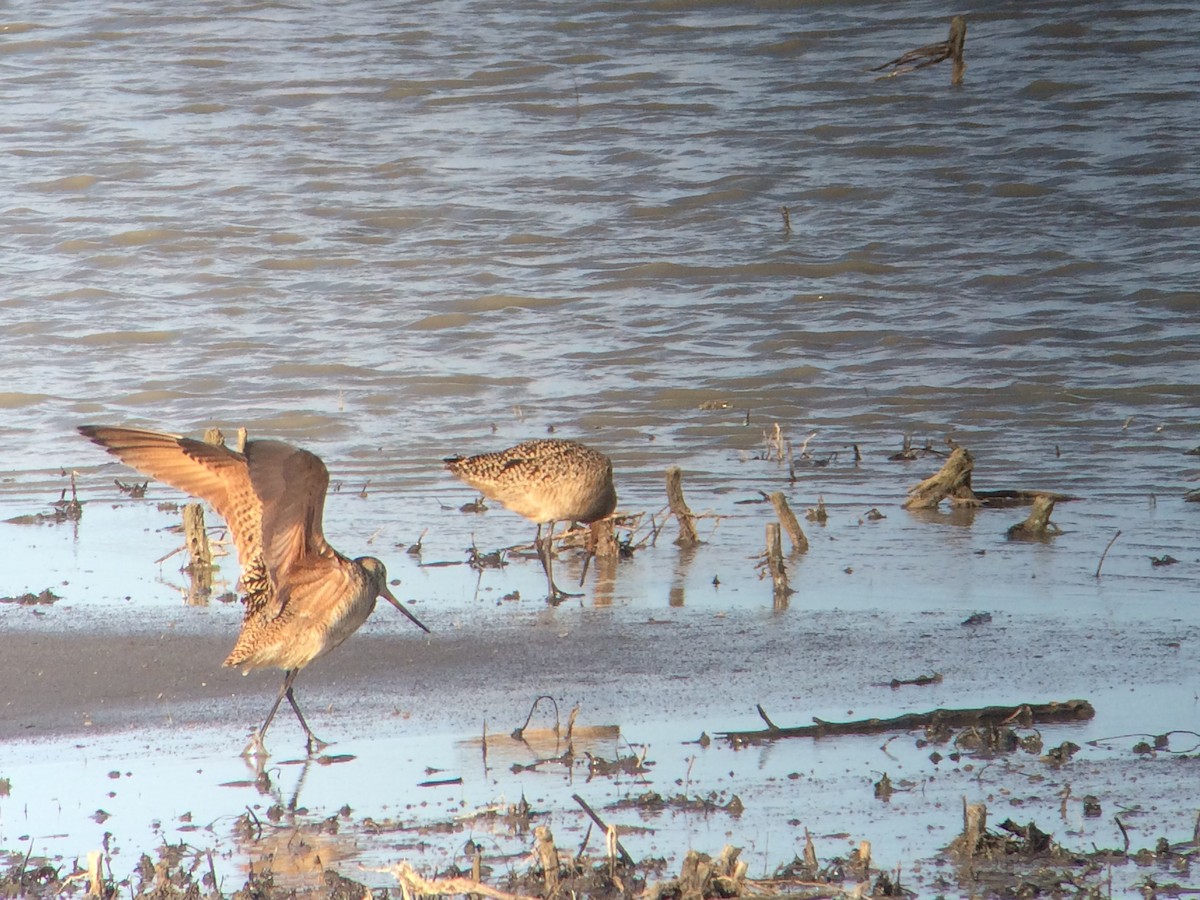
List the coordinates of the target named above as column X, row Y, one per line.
column 215, row 474
column 291, row 485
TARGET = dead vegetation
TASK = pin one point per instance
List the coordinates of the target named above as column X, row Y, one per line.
column 64, row 509
column 931, row 54
column 45, row 597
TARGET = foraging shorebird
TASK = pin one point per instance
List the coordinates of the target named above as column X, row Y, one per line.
column 546, row 481
column 302, row 597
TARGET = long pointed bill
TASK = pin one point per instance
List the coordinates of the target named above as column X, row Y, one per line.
column 391, row 598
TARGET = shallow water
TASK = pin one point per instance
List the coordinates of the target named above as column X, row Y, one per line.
column 401, row 232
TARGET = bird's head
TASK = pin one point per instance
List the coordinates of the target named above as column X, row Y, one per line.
column 378, row 574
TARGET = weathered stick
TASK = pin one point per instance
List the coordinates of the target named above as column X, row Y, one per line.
column 787, row 519
column 625, row 857
column 775, row 563
column 1054, row 711
column 1105, row 553
column 952, row 480
column 1038, row 524
column 200, row 564
column 974, row 823
column 199, row 551
column 687, row 521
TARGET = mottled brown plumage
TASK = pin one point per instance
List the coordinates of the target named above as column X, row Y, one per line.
column 546, row 481
column 302, row 598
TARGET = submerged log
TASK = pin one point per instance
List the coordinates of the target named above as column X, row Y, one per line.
column 1038, row 525
column 931, row 54
column 1025, row 713
column 952, row 480
column 687, row 521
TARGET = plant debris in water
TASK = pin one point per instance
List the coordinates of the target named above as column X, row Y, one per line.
column 46, row 598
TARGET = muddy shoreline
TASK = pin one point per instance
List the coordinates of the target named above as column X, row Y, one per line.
column 122, row 730
column 93, row 683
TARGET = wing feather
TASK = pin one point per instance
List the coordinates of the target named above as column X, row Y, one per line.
column 213, row 473
column 291, row 485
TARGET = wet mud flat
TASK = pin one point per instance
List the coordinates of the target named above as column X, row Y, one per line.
column 279, row 847
column 120, row 730
column 700, row 801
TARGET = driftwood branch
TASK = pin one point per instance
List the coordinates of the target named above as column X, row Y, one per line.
column 952, row 480
column 787, row 519
column 931, row 54
column 1025, row 713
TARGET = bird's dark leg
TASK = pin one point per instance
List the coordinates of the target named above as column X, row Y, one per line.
column 256, row 746
column 312, row 742
column 545, row 549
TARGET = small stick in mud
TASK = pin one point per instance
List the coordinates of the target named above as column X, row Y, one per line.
column 199, row 551
column 919, row 681
column 547, row 855
column 787, row 519
column 687, row 521
column 200, row 564
column 625, row 857
column 775, row 564
column 974, row 825
column 952, row 480
column 951, row 48
column 818, row 513
column 518, row 733
column 1038, row 525
column 1108, row 547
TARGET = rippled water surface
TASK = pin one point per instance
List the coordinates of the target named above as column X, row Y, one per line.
column 390, row 232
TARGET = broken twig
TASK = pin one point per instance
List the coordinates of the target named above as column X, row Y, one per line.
column 1105, row 553
column 1054, row 711
column 687, row 521
column 787, row 519
column 625, row 857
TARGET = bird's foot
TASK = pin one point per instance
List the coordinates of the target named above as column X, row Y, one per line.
column 315, row 744
column 557, row 596
column 256, row 749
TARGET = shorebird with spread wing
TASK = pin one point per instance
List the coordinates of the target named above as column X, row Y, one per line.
column 302, row 597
